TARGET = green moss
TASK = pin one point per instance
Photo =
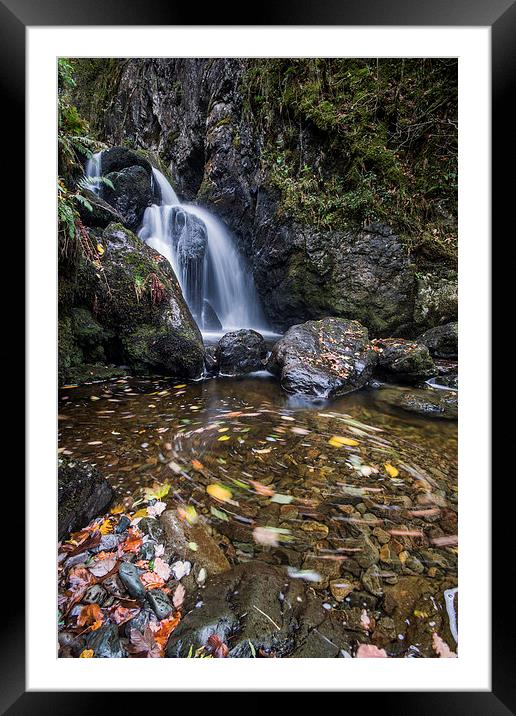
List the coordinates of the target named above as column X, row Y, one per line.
column 350, row 141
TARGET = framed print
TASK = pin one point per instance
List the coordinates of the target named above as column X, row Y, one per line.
column 246, row 270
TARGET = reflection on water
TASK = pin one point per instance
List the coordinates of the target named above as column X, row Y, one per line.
column 290, row 482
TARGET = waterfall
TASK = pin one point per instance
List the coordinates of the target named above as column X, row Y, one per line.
column 215, row 282
column 93, row 171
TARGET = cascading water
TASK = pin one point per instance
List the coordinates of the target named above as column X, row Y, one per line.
column 93, row 171
column 213, row 277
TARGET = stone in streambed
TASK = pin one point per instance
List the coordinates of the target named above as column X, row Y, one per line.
column 159, row 603
column 130, row 577
column 323, row 358
column 241, row 352
column 178, row 534
column 82, row 494
column 131, row 194
column 442, row 341
column 152, row 527
column 405, row 360
column 105, row 643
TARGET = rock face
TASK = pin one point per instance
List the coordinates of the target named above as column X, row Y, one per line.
column 442, row 341
column 210, row 320
column 255, row 606
column 240, row 352
column 83, row 493
column 196, row 118
column 323, row 358
column 407, row 361
column 137, row 298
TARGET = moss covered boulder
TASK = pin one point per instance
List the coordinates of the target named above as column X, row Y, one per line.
column 405, row 360
column 137, row 298
column 323, row 358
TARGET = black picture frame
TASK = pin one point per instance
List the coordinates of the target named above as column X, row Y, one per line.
column 500, row 16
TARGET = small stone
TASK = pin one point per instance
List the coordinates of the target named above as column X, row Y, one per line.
column 315, row 528
column 340, row 589
column 385, row 553
column 152, row 527
column 414, row 564
column 96, row 594
column 105, row 643
column 381, row 535
column 160, row 603
column 147, row 550
column 372, row 581
column 130, row 576
column 123, row 524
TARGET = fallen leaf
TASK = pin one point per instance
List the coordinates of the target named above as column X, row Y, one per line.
column 223, row 438
column 179, row 596
column 165, row 628
column 217, row 647
column 86, row 654
column 144, row 643
column 219, row 492
column 441, row 648
column 264, row 490
column 101, row 567
column 162, row 569
column 339, row 441
column 156, row 509
column 91, row 616
column 370, row 651
column 391, row 470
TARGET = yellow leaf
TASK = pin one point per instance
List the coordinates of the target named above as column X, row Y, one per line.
column 100, row 249
column 339, row 441
column 86, row 654
column 219, row 492
column 391, row 470
column 140, row 513
column 183, row 385
column 223, row 437
column 106, row 527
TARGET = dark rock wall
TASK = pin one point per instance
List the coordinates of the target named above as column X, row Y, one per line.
column 195, row 114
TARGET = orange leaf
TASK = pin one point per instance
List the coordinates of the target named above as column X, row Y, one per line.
column 166, row 627
column 151, row 580
column 133, row 542
column 86, row 654
column 91, row 616
column 197, row 465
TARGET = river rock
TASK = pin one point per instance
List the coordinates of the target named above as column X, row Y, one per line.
column 130, row 577
column 82, row 494
column 105, row 643
column 131, row 194
column 442, row 341
column 115, row 159
column 406, row 360
column 159, row 603
column 180, row 533
column 438, row 403
column 240, row 352
column 152, row 527
column 323, row 358
column 138, row 298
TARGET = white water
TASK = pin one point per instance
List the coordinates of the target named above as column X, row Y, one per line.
column 93, row 171
column 222, row 279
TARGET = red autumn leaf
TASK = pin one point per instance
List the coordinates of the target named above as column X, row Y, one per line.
column 151, row 580
column 120, row 614
column 133, row 542
column 144, row 644
column 217, row 647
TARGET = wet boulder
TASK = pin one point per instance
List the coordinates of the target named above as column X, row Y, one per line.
column 442, row 341
column 137, row 298
column 240, row 352
column 115, row 159
column 405, row 360
column 428, row 402
column 131, row 194
column 191, row 248
column 323, row 358
column 257, row 607
column 100, row 214
column 82, row 494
